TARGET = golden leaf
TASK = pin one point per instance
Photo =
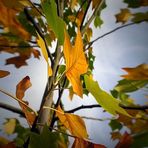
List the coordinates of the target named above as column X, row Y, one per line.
column 75, row 62
column 4, row 73
column 73, row 123
column 41, row 43
column 137, row 73
column 21, row 87
column 123, row 16
column 73, row 3
column 9, row 126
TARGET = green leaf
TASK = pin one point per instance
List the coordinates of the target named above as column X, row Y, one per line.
column 130, row 85
column 114, row 124
column 132, row 3
column 140, row 140
column 98, row 22
column 46, row 139
column 109, row 103
column 55, row 23
column 140, row 16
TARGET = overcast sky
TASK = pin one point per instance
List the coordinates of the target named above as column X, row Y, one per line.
column 124, row 48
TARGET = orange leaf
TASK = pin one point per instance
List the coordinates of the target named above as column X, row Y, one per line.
column 4, row 73
column 8, row 18
column 75, row 62
column 137, row 73
column 73, row 123
column 123, row 16
column 95, row 3
column 85, row 144
column 21, row 87
column 125, row 141
column 9, row 145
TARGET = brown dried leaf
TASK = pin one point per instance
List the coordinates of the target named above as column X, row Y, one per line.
column 4, row 73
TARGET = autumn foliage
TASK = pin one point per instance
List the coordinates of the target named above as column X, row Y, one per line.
column 28, row 28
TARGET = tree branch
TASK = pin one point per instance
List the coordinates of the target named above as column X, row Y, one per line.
column 97, row 105
column 89, row 2
column 12, row 108
column 92, row 17
column 36, row 26
column 118, row 28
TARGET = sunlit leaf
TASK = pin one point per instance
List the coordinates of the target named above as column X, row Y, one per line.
column 108, row 102
column 89, row 33
column 9, row 126
column 4, row 73
column 41, row 43
column 123, row 16
column 73, row 3
column 130, row 85
column 54, row 21
column 86, row 144
column 137, row 73
column 21, row 87
column 75, row 62
column 125, row 141
column 73, row 123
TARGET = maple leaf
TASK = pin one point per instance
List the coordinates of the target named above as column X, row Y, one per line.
column 41, row 43
column 85, row 144
column 137, row 73
column 4, row 73
column 9, row 145
column 73, row 123
column 21, row 87
column 75, row 62
column 9, row 126
column 95, row 3
column 8, row 19
column 125, row 141
column 123, row 16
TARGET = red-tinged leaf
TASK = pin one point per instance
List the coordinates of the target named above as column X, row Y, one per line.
column 73, row 123
column 116, row 135
column 9, row 145
column 36, row 53
column 125, row 141
column 80, row 143
column 4, row 73
column 17, row 61
column 22, row 86
column 137, row 73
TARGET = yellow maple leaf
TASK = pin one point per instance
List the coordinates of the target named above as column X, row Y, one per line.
column 73, row 123
column 9, row 126
column 45, row 54
column 123, row 16
column 75, row 62
column 137, row 73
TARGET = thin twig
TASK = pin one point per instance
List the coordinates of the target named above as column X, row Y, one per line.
column 118, row 28
column 97, row 105
column 88, row 5
column 98, row 7
column 20, row 101
column 12, row 108
column 38, row 29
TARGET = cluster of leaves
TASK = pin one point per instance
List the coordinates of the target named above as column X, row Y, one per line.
column 25, row 25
